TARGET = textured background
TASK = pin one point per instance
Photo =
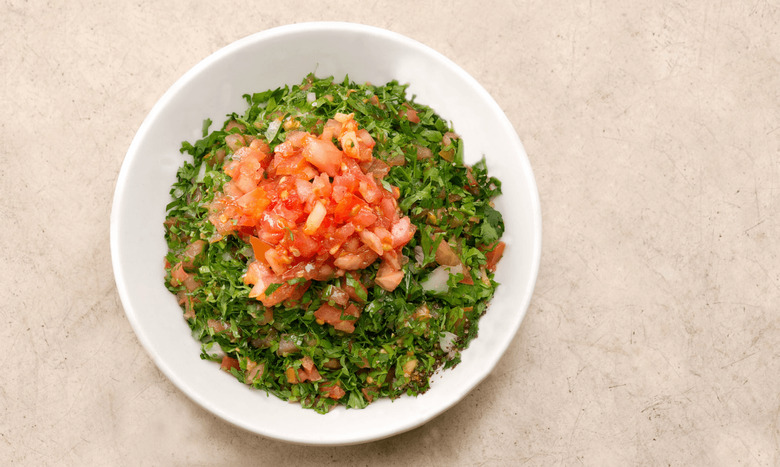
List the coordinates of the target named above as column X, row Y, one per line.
column 654, row 131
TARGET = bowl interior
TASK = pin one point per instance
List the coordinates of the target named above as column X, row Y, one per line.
column 214, row 88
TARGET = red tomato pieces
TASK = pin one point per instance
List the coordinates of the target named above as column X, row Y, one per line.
column 228, row 363
column 333, row 316
column 311, row 211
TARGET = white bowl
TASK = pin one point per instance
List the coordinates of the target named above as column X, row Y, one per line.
column 212, row 89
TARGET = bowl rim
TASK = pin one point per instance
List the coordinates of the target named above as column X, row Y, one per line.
column 265, row 35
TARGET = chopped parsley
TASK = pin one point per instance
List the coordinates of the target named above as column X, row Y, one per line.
column 401, row 337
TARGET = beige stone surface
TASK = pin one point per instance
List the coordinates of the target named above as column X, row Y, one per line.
column 653, row 336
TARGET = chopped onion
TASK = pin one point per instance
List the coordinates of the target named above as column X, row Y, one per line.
column 213, row 350
column 447, row 341
column 311, row 97
column 419, row 255
column 201, row 173
column 273, row 129
column 315, row 219
column 437, row 281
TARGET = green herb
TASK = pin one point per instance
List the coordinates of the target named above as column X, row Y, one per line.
column 395, row 347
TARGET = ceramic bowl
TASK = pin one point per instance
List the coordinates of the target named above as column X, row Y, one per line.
column 214, row 88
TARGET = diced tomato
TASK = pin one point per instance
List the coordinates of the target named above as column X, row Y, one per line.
column 307, row 363
column 261, row 146
column 192, row 251
column 261, row 276
column 352, row 245
column 392, row 259
column 410, row 113
column 178, row 276
column 495, row 255
column 327, row 314
column 321, row 186
column 308, row 172
column 343, row 184
column 217, row 326
column 369, row 393
column 364, row 217
column 304, row 245
column 332, row 390
column 284, row 292
column 369, row 190
column 278, row 261
column 284, row 151
column 388, row 277
column 339, row 191
column 333, row 316
column 307, row 371
column 250, row 164
column 365, row 138
column 254, row 202
column 372, row 241
column 322, row 272
column 385, row 237
column 231, row 168
column 272, row 236
column 228, row 363
column 258, row 273
column 445, row 255
column 232, row 190
column 466, row 277
column 348, row 207
column 305, row 190
column 355, row 261
column 259, row 248
column 324, row 155
column 289, row 165
column 287, row 217
column 349, row 144
column 298, row 139
column 188, row 302
column 402, row 232
column 339, row 236
column 389, row 209
column 297, row 294
column 244, row 183
column 472, row 181
column 234, row 124
column 254, row 371
column 332, row 129
column 353, row 294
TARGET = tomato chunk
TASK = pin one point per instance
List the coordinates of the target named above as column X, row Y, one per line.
column 228, row 363
column 332, row 390
column 331, row 315
column 495, row 255
column 324, row 155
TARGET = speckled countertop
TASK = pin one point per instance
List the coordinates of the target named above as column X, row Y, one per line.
column 653, row 128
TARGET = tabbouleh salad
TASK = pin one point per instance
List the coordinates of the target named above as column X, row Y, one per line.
column 329, row 246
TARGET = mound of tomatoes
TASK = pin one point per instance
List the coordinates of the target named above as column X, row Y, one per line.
column 313, row 208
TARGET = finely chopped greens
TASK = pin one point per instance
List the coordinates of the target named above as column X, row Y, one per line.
column 400, row 336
